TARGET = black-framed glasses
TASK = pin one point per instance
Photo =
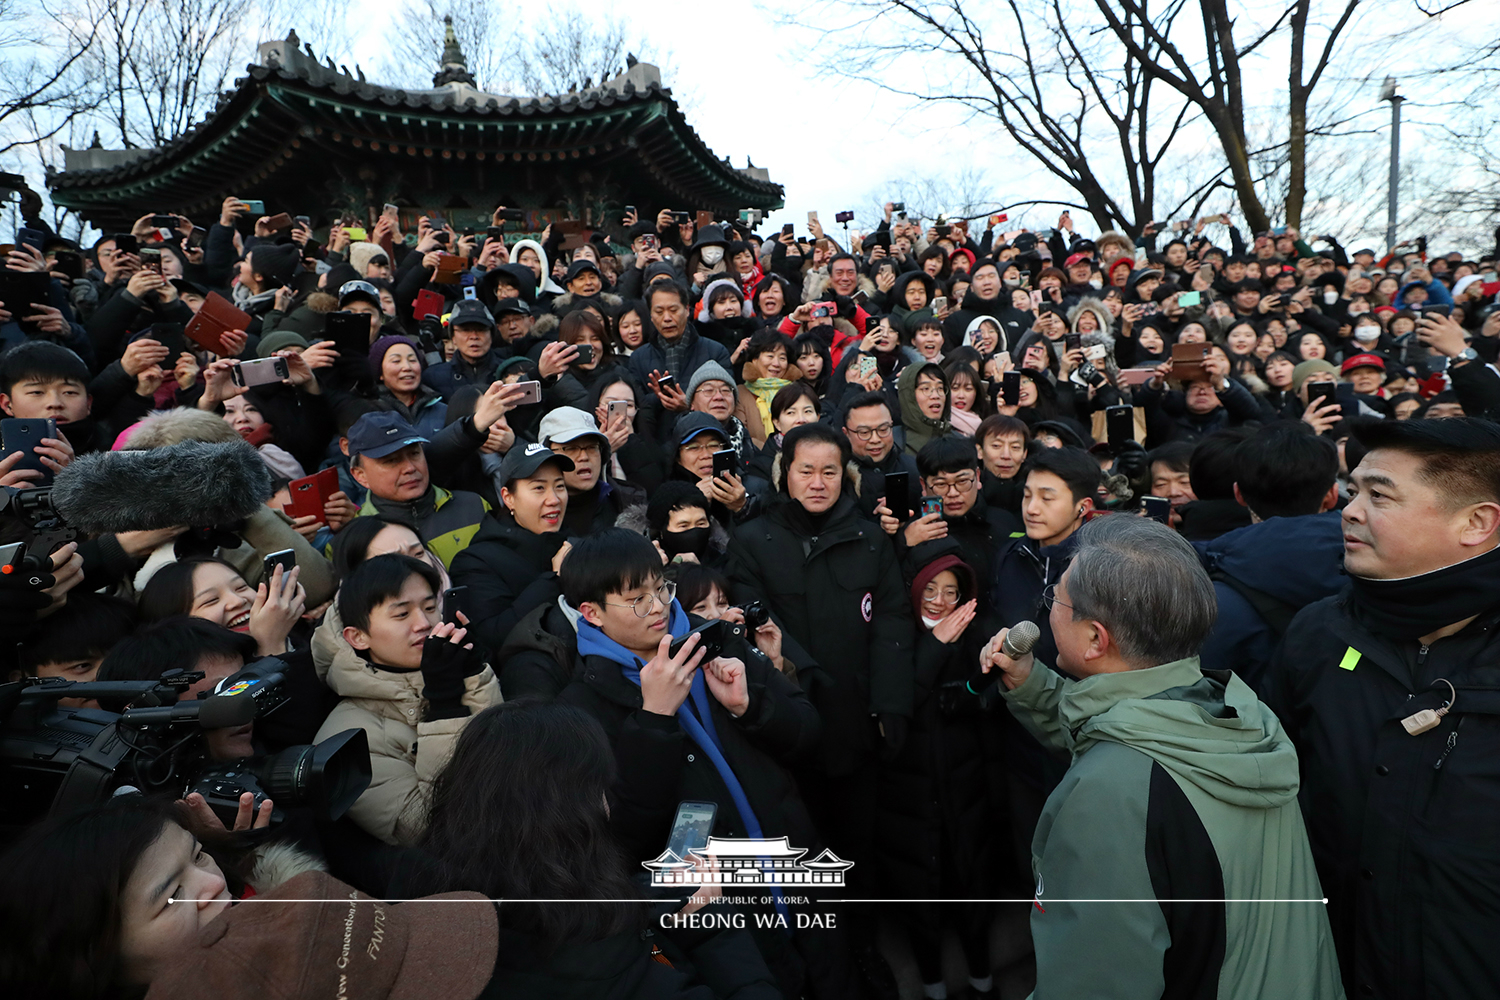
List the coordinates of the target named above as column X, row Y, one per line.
column 1049, row 598
column 642, row 605
column 871, row 433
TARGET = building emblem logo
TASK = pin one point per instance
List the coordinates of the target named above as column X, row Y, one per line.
column 747, row 861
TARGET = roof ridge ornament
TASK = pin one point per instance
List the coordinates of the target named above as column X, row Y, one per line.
column 454, row 67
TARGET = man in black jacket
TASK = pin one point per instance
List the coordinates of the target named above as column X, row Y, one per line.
column 871, row 434
column 1401, row 801
column 832, row 581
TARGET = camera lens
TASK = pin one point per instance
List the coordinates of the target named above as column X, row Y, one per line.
column 328, row 776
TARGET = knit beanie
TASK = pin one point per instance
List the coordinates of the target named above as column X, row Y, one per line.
column 709, row 371
column 1306, row 368
column 378, row 349
column 279, row 340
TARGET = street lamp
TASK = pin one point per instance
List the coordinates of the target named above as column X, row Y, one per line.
column 1388, row 93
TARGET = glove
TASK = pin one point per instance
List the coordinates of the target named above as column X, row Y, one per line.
column 893, row 730
column 1132, row 462
column 444, row 667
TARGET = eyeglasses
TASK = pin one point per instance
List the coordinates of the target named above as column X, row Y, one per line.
column 962, row 484
column 642, row 605
column 932, row 389
column 712, row 393
column 870, row 433
column 1049, row 598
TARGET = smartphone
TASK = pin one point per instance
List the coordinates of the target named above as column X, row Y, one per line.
column 898, row 495
column 24, row 434
column 163, row 221
column 280, row 221
column 667, row 381
column 932, row 505
column 1190, row 298
column 1072, row 341
column 427, row 303
column 286, row 559
column 151, row 259
column 169, row 335
column 126, row 243
column 650, row 242
column 357, row 234
column 691, row 828
column 303, row 220
column 470, row 292
column 217, row 317
column 453, row 603
column 939, row 303
column 682, row 218
column 261, row 371
column 585, row 353
column 1157, row 508
column 1322, row 394
column 786, row 230
column 996, row 220
column 1010, row 388
column 812, row 217
column 441, row 237
column 1137, row 376
column 866, row 365
column 533, row 393
column 254, row 206
column 1119, row 423
column 617, row 408
column 349, row 331
column 310, row 493
column 726, row 461
column 715, row 635
column 1036, row 299
column 630, row 210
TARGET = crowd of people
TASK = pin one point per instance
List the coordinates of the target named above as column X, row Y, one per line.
column 1246, row 494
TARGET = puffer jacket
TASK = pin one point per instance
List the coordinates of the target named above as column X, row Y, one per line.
column 406, row 753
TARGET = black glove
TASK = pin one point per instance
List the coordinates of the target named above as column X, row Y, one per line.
column 1132, row 462
column 444, row 667
column 893, row 731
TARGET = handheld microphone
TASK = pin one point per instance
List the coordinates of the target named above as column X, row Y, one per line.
column 1020, row 639
column 214, row 712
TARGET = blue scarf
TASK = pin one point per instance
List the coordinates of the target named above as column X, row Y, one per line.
column 694, row 715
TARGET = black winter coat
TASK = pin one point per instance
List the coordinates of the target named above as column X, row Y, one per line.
column 1403, row 828
column 935, row 796
column 540, row 656
column 508, row 571
column 660, row 765
column 837, row 591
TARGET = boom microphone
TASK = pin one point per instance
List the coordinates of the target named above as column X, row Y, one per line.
column 217, row 711
column 1019, row 640
column 192, row 483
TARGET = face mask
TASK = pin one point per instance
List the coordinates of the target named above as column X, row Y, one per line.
column 930, row 623
column 693, row 540
column 1012, row 282
column 1330, row 295
column 712, row 255
column 1096, row 282
column 1367, row 333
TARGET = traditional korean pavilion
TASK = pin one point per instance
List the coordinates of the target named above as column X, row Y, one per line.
column 309, row 138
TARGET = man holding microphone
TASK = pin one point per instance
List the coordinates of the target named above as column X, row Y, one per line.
column 1172, row 859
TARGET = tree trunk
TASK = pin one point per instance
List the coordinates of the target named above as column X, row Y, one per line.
column 1297, row 120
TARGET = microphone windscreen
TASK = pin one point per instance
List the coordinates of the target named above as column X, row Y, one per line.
column 1019, row 640
column 219, row 711
column 192, row 483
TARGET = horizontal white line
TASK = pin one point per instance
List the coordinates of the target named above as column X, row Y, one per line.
column 342, row 899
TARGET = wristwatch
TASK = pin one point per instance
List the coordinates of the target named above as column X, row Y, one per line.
column 1467, row 354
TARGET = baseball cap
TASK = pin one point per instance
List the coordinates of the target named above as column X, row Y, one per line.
column 343, row 943
column 358, row 291
column 470, row 311
column 521, row 462
column 693, row 423
column 380, row 433
column 578, row 267
column 568, row 423
column 511, row 305
column 1363, row 361
column 1078, row 258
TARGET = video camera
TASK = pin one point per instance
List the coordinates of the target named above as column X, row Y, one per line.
column 48, row 530
column 55, row 758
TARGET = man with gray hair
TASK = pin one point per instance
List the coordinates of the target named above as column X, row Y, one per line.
column 1172, row 859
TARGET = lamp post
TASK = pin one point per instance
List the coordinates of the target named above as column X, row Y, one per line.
column 1388, row 93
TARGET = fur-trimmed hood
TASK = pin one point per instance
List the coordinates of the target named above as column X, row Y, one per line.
column 816, row 284
column 851, row 475
column 1089, row 304
column 609, row 301
column 277, row 864
column 185, row 423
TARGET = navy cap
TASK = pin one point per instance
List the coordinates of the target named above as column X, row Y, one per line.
column 470, row 311
column 578, row 267
column 693, row 423
column 381, row 433
column 521, row 462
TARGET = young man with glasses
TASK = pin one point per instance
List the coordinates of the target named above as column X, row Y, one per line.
column 872, row 441
column 967, row 526
column 682, row 727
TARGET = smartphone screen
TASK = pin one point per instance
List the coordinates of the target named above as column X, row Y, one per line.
column 1321, row 394
column 692, row 828
column 1157, row 508
column 932, row 505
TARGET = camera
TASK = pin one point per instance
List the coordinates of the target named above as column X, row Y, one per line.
column 823, row 310
column 682, row 218
column 756, row 615
column 48, row 531
column 843, row 217
column 54, row 758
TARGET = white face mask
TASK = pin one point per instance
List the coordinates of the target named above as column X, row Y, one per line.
column 1012, row 282
column 712, row 255
column 1367, row 333
column 930, row 623
column 1096, row 282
